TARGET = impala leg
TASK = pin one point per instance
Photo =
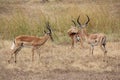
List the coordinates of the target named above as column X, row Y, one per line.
column 15, row 58
column 105, row 51
column 103, row 48
column 33, row 51
column 38, row 52
column 72, row 43
column 16, row 52
column 81, row 43
column 91, row 49
column 13, row 53
column 11, row 57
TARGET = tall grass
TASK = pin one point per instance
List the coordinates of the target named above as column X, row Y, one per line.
column 29, row 19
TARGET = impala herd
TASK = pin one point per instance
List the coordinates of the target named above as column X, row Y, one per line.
column 80, row 34
column 77, row 33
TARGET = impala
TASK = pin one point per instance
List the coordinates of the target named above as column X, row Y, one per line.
column 75, row 35
column 93, row 39
column 33, row 41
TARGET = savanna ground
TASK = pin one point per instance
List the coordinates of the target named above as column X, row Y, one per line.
column 58, row 61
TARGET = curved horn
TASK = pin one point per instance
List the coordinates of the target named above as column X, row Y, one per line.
column 78, row 21
column 87, row 20
column 74, row 22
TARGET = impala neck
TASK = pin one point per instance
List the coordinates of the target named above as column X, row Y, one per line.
column 85, row 34
column 44, row 38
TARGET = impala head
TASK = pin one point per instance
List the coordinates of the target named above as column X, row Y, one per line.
column 49, row 31
column 83, row 25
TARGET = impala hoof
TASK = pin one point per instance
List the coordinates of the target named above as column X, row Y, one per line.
column 15, row 61
column 105, row 51
column 8, row 61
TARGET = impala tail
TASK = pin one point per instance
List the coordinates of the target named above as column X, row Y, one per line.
column 103, row 41
column 13, row 45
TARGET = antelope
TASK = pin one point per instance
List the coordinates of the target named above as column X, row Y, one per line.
column 93, row 39
column 30, row 41
column 75, row 35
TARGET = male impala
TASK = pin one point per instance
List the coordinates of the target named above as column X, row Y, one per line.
column 75, row 34
column 93, row 39
column 33, row 41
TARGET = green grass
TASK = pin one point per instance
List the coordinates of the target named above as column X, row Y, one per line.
column 30, row 18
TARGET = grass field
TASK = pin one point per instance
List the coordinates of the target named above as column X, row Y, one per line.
column 58, row 61
column 29, row 17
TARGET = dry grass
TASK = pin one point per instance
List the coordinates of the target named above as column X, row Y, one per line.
column 59, row 61
column 29, row 18
column 64, row 58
